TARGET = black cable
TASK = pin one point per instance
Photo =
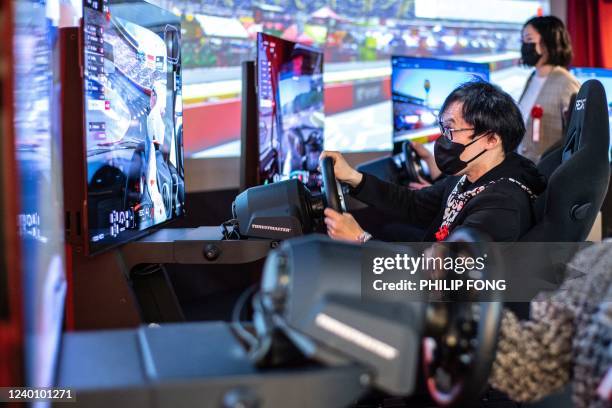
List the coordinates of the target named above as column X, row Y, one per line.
column 243, row 333
column 264, row 341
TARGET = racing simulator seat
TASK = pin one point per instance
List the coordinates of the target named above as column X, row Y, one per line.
column 551, row 158
column 576, row 189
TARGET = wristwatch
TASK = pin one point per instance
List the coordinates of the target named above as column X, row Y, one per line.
column 364, row 237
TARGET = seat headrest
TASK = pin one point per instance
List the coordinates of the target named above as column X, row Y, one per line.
column 588, row 128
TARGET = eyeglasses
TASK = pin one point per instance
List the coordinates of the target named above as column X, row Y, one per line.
column 448, row 132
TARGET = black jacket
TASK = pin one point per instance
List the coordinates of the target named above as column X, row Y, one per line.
column 503, row 210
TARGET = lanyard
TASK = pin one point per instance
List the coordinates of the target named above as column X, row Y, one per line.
column 456, row 202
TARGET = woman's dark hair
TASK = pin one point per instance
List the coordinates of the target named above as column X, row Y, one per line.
column 487, row 108
column 555, row 38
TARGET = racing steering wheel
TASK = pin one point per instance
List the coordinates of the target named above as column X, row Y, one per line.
column 461, row 336
column 413, row 165
column 332, row 190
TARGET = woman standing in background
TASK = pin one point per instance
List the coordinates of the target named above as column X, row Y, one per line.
column 546, row 99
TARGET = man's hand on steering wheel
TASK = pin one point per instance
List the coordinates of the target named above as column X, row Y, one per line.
column 342, row 227
column 342, row 170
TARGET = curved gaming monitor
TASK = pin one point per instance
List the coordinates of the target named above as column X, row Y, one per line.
column 289, row 84
column 419, row 86
column 133, row 120
column 605, row 77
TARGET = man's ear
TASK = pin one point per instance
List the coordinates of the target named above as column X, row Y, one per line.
column 493, row 140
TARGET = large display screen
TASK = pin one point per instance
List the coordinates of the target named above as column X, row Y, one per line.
column 605, row 77
column 133, row 119
column 290, row 111
column 357, row 37
column 419, row 87
column 40, row 181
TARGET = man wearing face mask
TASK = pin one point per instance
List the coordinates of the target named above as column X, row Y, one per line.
column 490, row 187
column 546, row 98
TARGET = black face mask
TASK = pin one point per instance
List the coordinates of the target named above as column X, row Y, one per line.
column 529, row 55
column 447, row 152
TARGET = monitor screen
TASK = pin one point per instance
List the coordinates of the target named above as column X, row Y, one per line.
column 133, row 119
column 419, row 86
column 290, row 110
column 605, row 77
column 39, row 167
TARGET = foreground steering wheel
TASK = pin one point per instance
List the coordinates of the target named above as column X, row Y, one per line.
column 413, row 164
column 332, row 191
column 462, row 331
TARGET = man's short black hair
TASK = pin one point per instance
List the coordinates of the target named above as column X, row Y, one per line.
column 555, row 38
column 487, row 108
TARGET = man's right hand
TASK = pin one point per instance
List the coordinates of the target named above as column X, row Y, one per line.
column 342, row 170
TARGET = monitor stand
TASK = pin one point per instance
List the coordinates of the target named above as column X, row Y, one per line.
column 127, row 286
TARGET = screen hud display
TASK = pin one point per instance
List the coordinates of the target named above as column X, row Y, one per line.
column 133, row 119
column 605, row 77
column 419, row 87
column 290, row 106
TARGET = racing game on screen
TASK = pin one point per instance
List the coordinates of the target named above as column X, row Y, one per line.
column 419, row 87
column 133, row 119
column 290, row 107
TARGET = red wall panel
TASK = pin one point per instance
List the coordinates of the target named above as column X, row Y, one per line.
column 605, row 22
column 588, row 22
column 338, row 98
column 211, row 124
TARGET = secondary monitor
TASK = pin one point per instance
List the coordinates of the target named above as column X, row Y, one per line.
column 36, row 185
column 289, row 80
column 133, row 119
column 605, row 77
column 419, row 86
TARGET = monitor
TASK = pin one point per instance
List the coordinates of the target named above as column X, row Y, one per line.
column 11, row 358
column 133, row 120
column 38, row 176
column 419, row 87
column 249, row 147
column 290, row 111
column 605, row 77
